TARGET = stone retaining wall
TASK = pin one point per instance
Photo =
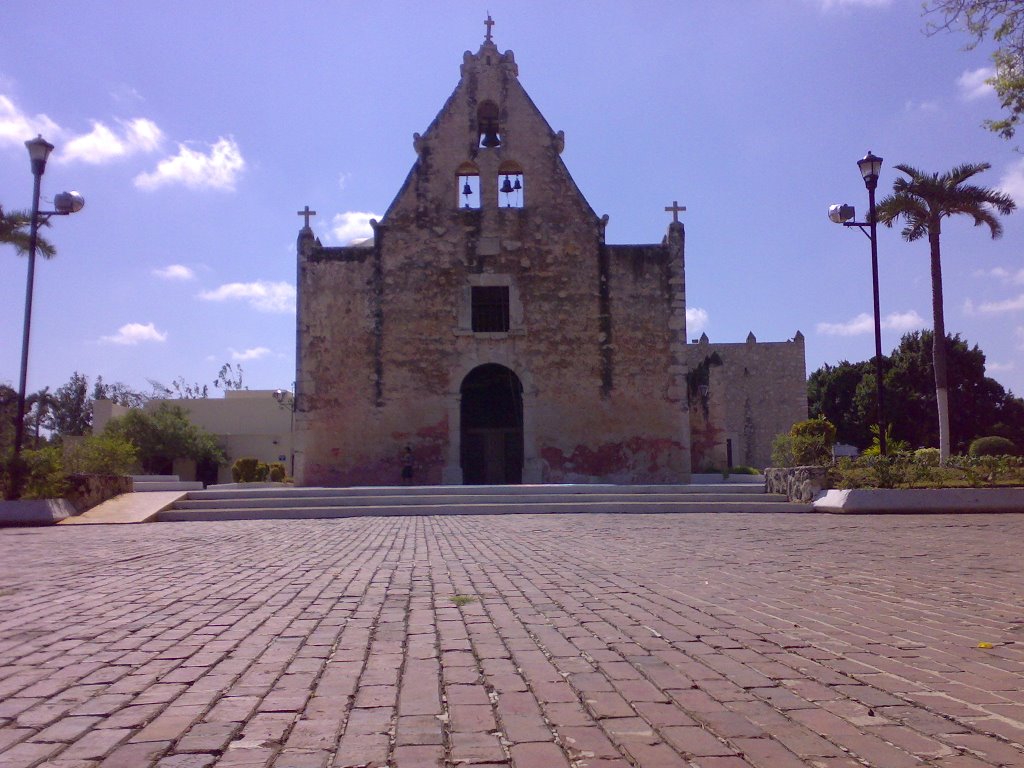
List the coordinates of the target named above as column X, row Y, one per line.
column 86, row 491
column 801, row 484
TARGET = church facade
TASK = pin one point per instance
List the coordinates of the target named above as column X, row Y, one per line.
column 489, row 327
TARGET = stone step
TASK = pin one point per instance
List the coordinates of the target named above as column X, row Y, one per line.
column 164, row 484
column 507, row 491
column 507, row 507
column 264, row 501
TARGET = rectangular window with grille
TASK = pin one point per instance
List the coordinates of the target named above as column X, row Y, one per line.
column 490, row 309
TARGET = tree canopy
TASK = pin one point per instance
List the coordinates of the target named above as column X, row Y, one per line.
column 1003, row 22
column 979, row 405
column 163, row 435
column 14, row 230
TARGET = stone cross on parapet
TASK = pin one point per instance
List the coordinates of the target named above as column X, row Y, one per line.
column 675, row 210
column 305, row 212
column 488, row 22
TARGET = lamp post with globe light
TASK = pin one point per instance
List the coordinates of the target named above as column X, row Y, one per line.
column 870, row 167
column 39, row 150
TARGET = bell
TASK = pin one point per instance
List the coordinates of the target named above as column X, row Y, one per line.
column 517, row 186
column 490, row 138
column 506, row 186
column 466, row 189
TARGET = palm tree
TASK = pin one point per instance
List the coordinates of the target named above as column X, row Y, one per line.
column 923, row 200
column 14, row 230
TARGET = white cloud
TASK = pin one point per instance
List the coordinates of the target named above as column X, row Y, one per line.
column 219, row 169
column 998, row 307
column 262, row 295
column 828, row 5
column 352, row 225
column 927, row 107
column 1012, row 182
column 974, row 84
column 1003, row 275
column 135, row 333
column 696, row 320
column 255, row 353
column 16, row 127
column 1018, row 333
column 103, row 144
column 175, row 272
column 865, row 323
column 991, row 367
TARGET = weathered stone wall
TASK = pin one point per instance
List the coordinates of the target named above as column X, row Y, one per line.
column 801, row 484
column 86, row 491
column 758, row 391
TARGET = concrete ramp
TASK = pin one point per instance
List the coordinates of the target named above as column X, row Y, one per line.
column 127, row 508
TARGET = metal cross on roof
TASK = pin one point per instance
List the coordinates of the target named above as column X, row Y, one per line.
column 489, row 22
column 305, row 212
column 675, row 210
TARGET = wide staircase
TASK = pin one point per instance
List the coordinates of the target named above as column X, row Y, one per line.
column 297, row 503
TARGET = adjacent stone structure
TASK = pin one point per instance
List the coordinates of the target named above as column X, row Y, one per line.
column 489, row 326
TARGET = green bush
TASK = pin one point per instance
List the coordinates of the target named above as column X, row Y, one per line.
column 927, row 456
column 812, row 441
column 277, row 472
column 104, row 454
column 992, row 446
column 244, row 469
column 262, row 472
column 45, row 477
column 782, row 451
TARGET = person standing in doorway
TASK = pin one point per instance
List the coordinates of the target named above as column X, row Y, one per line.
column 407, row 462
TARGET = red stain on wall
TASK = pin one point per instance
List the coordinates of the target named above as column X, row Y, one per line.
column 640, row 459
column 429, row 448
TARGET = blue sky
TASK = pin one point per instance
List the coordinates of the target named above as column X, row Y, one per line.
column 196, row 130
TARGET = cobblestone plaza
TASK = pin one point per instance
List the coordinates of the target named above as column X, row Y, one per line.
column 531, row 641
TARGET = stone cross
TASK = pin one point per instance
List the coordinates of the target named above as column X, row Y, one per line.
column 307, row 213
column 489, row 22
column 675, row 209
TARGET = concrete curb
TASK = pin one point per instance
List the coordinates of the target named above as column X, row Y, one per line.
column 926, row 501
column 35, row 511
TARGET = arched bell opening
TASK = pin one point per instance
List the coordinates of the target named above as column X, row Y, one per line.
column 487, row 125
column 467, row 178
column 491, row 439
column 511, row 185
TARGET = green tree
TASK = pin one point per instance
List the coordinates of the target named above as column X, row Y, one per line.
column 14, row 230
column 832, row 394
column 163, row 435
column 923, row 200
column 71, row 407
column 1003, row 21
column 979, row 405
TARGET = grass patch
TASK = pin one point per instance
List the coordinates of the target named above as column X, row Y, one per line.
column 461, row 600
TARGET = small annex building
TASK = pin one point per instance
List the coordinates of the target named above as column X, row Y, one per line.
column 489, row 326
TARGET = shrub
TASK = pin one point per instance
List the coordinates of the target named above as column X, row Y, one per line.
column 104, row 454
column 992, row 446
column 44, row 478
column 244, row 470
column 277, row 472
column 929, row 457
column 782, row 451
column 262, row 471
column 812, row 441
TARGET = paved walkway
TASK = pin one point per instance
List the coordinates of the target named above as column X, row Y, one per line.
column 529, row 641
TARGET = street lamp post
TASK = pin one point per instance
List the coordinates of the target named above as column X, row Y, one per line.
column 39, row 150
column 870, row 167
column 282, row 397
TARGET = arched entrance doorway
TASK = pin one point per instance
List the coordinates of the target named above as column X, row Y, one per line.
column 492, row 426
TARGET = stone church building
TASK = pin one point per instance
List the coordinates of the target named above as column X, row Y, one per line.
column 489, row 326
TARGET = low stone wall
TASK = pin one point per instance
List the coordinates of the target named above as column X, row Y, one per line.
column 801, row 484
column 86, row 491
